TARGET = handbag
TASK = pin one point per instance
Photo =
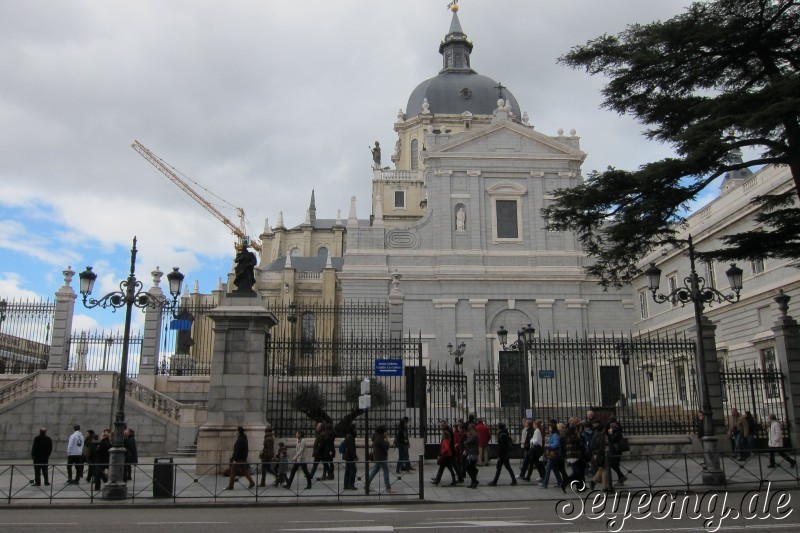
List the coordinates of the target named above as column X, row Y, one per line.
column 624, row 445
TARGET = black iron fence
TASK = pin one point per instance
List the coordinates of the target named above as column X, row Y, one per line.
column 319, row 381
column 102, row 350
column 757, row 391
column 25, row 335
column 187, row 341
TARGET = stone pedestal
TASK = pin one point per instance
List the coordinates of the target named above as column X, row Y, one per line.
column 238, row 385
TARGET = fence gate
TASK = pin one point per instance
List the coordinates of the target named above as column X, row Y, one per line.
column 447, row 398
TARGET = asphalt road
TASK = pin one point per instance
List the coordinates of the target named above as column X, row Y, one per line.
column 726, row 511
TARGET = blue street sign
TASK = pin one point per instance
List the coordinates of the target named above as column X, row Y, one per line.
column 181, row 325
column 547, row 374
column 388, row 367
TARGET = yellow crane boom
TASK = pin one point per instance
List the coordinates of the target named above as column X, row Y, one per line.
column 170, row 173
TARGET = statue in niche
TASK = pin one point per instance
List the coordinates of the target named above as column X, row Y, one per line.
column 376, row 155
column 245, row 275
column 461, row 219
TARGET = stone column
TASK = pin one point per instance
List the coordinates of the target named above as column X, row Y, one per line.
column 787, row 348
column 713, row 379
column 238, row 384
column 148, row 363
column 396, row 300
column 62, row 324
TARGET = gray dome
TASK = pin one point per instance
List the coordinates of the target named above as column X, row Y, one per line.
column 454, row 92
column 458, row 88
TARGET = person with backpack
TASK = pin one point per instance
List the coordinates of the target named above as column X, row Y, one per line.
column 504, row 445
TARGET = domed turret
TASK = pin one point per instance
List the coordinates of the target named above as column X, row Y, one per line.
column 458, row 88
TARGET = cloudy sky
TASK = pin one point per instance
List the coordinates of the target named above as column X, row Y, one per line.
column 258, row 102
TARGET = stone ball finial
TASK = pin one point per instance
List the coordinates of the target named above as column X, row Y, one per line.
column 560, row 132
column 572, row 132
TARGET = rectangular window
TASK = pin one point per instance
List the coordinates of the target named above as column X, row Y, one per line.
column 711, row 277
column 673, row 284
column 643, row 303
column 771, row 375
column 400, row 199
column 680, row 381
column 507, row 226
column 757, row 266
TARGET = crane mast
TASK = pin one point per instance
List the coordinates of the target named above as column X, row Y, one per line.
column 167, row 170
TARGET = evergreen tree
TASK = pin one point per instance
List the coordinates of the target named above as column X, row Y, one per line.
column 720, row 78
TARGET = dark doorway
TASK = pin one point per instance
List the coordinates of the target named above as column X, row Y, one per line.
column 610, row 385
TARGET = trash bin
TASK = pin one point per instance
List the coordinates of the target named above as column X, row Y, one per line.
column 163, row 477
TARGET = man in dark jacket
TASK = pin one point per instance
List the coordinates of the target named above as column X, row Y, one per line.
column 239, row 466
column 101, row 458
column 380, row 454
column 131, row 453
column 350, row 455
column 504, row 444
column 40, row 453
column 319, row 452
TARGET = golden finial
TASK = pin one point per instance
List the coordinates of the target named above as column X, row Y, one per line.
column 453, row 6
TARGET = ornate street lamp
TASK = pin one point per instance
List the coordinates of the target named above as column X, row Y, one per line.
column 458, row 354
column 129, row 295
column 694, row 290
column 3, row 307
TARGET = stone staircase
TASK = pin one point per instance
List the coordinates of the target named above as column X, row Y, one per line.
column 190, row 450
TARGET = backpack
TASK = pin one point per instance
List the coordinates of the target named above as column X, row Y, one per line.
column 341, row 448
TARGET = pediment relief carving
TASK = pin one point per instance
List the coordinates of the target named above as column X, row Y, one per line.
column 506, row 188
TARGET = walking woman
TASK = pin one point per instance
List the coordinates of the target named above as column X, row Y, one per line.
column 459, row 462
column 299, row 459
column 267, row 454
column 445, row 458
column 552, row 452
column 504, row 444
column 575, row 456
column 471, row 447
column 532, row 458
column 350, row 455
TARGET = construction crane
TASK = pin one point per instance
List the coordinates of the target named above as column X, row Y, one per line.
column 171, row 173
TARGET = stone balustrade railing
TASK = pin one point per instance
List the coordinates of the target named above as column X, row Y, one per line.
column 154, row 400
column 18, row 389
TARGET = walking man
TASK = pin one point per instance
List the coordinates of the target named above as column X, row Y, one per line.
column 239, row 464
column 40, row 453
column 75, row 455
column 504, row 444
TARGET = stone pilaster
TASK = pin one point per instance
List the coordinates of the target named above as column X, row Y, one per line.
column 62, row 324
column 148, row 363
column 238, row 384
column 787, row 348
column 711, row 365
column 396, row 300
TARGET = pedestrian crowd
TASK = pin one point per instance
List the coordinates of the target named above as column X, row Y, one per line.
column 589, row 447
column 87, row 453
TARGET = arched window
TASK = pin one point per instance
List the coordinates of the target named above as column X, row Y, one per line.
column 414, row 154
column 322, row 252
column 295, row 252
column 308, row 334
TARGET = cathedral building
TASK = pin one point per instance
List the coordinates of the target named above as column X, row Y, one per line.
column 458, row 218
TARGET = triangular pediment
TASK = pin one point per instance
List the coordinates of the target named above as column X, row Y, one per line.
column 507, row 138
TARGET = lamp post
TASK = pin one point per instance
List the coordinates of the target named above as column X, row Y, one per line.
column 129, row 295
column 625, row 358
column 3, row 307
column 523, row 345
column 458, row 354
column 694, row 290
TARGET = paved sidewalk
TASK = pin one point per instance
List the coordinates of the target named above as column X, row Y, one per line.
column 676, row 473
